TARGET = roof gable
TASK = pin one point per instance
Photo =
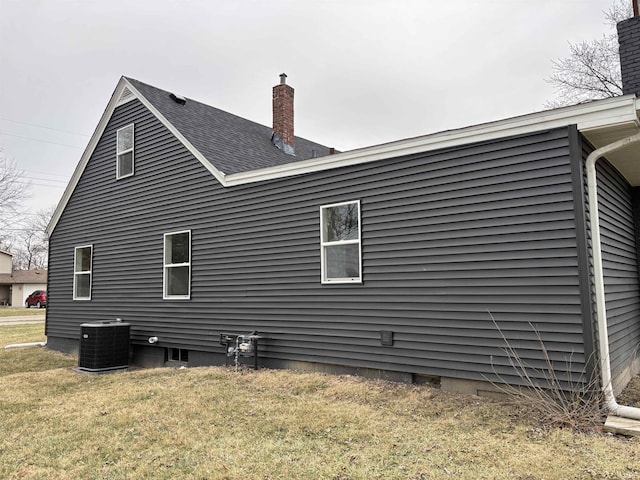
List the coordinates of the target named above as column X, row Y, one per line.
column 224, row 143
column 230, row 143
column 237, row 151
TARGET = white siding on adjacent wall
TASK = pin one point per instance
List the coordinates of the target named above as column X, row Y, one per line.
column 6, row 263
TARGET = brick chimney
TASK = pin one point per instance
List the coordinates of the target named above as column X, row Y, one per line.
column 283, row 116
column 629, row 39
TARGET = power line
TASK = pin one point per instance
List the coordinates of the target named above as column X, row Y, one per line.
column 46, row 173
column 42, row 126
column 43, row 141
column 53, row 180
column 41, row 184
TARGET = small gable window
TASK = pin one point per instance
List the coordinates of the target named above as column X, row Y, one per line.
column 340, row 243
column 177, row 265
column 82, row 272
column 124, row 161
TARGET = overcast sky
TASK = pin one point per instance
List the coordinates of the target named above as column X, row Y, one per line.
column 364, row 71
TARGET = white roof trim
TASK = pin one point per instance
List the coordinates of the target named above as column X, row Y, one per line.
column 88, row 151
column 216, row 173
column 588, row 117
column 115, row 101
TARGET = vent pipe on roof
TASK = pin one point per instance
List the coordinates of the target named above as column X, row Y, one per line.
column 283, row 116
column 178, row 99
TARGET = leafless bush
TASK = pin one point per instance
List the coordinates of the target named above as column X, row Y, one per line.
column 576, row 403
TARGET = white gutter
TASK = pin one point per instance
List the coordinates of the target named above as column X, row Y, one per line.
column 598, row 273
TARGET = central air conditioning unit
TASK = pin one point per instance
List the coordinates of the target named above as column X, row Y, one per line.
column 104, row 346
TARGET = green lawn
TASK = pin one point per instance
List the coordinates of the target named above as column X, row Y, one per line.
column 19, row 311
column 216, row 423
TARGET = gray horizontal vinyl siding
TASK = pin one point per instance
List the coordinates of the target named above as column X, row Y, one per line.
column 619, row 252
column 448, row 239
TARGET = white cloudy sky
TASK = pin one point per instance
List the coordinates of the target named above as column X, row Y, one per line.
column 365, row 71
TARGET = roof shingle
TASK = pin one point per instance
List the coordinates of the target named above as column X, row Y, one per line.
column 230, row 143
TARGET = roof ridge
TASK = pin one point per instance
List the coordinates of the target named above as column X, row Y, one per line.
column 190, row 99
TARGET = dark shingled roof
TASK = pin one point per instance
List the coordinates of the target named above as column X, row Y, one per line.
column 230, row 143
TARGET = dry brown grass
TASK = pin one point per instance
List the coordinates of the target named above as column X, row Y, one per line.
column 214, row 423
column 21, row 334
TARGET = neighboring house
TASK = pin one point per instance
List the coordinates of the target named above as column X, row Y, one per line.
column 16, row 285
column 187, row 221
column 6, row 265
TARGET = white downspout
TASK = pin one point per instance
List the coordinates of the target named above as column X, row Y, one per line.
column 598, row 274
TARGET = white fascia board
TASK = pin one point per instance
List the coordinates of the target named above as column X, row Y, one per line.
column 196, row 153
column 588, row 116
column 97, row 134
column 86, row 155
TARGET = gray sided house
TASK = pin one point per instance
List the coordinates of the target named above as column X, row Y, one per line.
column 186, row 221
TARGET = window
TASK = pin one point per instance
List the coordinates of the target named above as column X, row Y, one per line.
column 340, row 243
column 124, row 162
column 82, row 272
column 178, row 355
column 177, row 265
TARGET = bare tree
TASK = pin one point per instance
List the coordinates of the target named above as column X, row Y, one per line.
column 12, row 190
column 30, row 246
column 592, row 69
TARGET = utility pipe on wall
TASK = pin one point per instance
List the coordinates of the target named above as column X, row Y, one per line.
column 598, row 274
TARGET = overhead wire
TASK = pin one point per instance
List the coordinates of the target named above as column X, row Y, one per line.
column 39, row 140
column 43, row 126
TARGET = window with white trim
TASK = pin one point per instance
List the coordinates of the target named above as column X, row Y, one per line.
column 82, row 261
column 341, row 257
column 177, row 265
column 124, row 160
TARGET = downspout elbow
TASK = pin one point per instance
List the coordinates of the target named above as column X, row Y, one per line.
column 621, row 410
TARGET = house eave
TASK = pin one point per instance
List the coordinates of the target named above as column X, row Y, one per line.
column 616, row 114
column 599, row 121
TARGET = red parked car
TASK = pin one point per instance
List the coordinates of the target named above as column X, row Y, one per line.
column 37, row 298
